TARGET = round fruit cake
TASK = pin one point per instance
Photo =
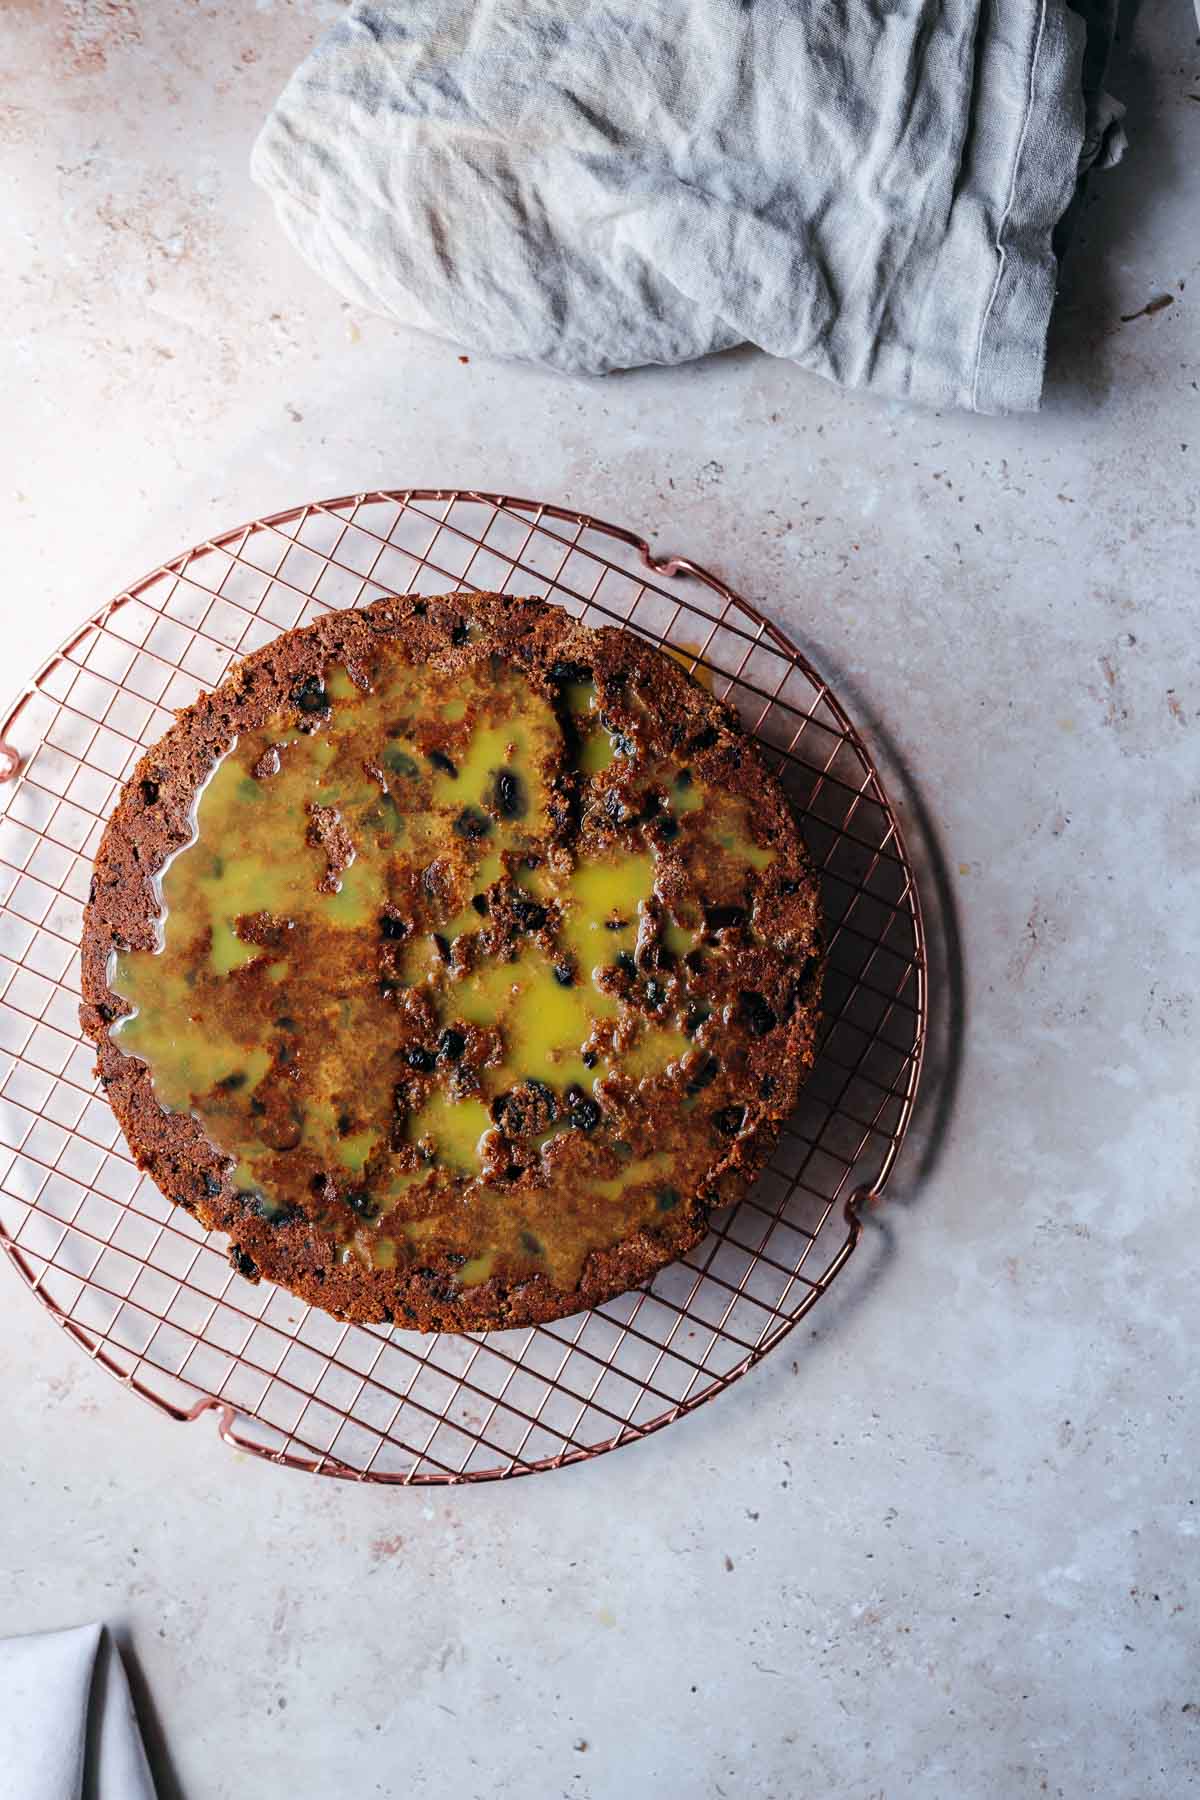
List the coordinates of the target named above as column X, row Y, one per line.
column 455, row 959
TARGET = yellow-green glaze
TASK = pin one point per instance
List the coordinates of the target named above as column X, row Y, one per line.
column 331, row 1000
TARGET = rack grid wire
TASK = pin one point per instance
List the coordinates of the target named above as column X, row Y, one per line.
column 151, row 1296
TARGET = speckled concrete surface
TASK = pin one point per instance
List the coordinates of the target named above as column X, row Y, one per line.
column 944, row 1544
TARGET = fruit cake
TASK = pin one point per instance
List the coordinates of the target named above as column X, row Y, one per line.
column 455, row 959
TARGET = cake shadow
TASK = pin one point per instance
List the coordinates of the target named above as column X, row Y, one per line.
column 934, row 1105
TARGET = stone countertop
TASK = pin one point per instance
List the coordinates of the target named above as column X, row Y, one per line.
column 944, row 1542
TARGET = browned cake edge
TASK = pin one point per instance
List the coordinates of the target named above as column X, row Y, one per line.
column 152, row 819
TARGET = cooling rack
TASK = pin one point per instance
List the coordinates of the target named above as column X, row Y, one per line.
column 151, row 1296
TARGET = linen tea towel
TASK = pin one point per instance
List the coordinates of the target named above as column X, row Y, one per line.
column 868, row 189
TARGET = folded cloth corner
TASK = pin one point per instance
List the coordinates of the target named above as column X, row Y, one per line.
column 67, row 1724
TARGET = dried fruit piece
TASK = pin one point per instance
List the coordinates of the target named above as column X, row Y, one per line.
column 756, row 1013
column 582, row 1110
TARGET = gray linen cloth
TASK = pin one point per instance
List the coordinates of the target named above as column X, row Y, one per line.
column 67, row 1725
column 867, row 189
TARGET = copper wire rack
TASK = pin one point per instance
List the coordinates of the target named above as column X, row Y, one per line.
column 151, row 1296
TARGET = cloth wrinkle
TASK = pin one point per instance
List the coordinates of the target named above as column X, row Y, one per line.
column 1008, row 205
